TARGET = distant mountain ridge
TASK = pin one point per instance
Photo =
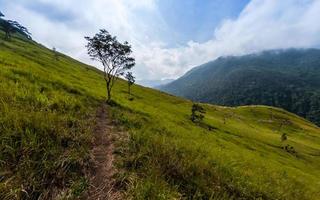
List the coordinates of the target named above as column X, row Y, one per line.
column 154, row 83
column 288, row 78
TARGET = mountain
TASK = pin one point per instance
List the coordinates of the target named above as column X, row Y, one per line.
column 47, row 122
column 288, row 79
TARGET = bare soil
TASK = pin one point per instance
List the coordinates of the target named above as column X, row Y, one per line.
column 102, row 182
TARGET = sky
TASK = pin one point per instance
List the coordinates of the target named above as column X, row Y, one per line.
column 170, row 37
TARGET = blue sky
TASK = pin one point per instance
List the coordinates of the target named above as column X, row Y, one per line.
column 195, row 20
column 169, row 37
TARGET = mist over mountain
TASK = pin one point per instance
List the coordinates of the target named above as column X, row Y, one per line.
column 154, row 83
column 288, row 78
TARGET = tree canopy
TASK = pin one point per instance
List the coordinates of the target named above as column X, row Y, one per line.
column 131, row 79
column 197, row 112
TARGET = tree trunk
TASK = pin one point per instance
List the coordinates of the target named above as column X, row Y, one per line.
column 108, row 91
column 108, row 96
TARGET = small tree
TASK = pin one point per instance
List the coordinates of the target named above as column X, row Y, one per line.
column 197, row 112
column 131, row 79
column 114, row 56
column 1, row 15
column 55, row 54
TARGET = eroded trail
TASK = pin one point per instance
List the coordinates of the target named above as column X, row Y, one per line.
column 102, row 182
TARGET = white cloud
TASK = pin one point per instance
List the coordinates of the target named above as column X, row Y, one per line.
column 117, row 16
column 263, row 24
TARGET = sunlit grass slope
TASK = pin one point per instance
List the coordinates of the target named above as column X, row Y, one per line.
column 46, row 118
column 46, row 126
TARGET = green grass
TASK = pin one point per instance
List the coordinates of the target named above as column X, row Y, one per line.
column 46, row 121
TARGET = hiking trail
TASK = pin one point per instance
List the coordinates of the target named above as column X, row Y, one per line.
column 102, row 183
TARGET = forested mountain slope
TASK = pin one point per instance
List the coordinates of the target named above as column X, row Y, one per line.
column 289, row 79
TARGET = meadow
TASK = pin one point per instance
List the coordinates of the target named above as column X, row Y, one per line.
column 47, row 109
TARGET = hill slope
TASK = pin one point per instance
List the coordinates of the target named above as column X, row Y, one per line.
column 289, row 79
column 46, row 125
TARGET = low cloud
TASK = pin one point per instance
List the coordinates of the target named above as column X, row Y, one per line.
column 263, row 24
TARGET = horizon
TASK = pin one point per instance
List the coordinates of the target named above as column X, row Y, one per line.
column 171, row 37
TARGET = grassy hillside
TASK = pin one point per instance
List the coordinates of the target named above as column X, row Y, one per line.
column 47, row 108
column 288, row 79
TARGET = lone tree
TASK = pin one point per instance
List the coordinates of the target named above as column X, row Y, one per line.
column 55, row 54
column 10, row 27
column 197, row 112
column 114, row 56
column 1, row 15
column 131, row 79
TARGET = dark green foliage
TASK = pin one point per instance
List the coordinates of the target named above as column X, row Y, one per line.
column 1, row 14
column 289, row 79
column 113, row 55
column 197, row 112
column 130, row 79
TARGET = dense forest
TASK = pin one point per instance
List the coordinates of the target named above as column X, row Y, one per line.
column 289, row 79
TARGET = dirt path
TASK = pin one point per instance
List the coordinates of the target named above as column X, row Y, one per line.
column 102, row 181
